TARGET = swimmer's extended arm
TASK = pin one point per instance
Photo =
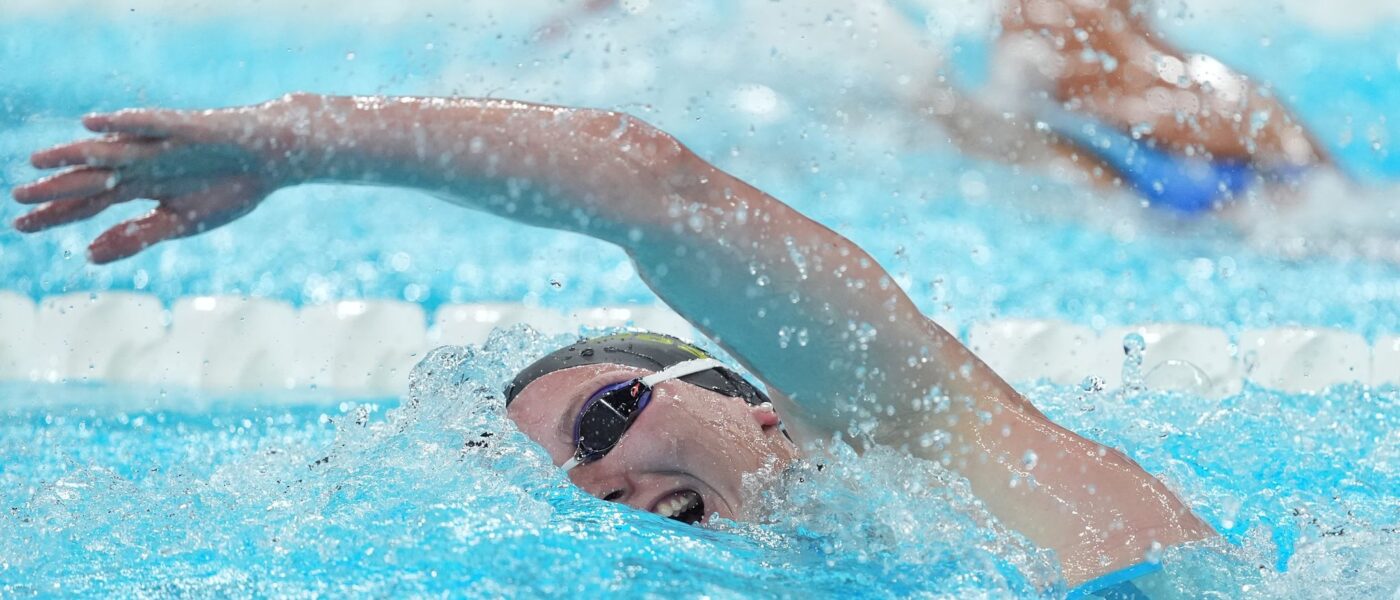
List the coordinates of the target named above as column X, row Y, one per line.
column 804, row 308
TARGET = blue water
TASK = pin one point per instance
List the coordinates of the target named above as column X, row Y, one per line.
column 110, row 491
column 962, row 258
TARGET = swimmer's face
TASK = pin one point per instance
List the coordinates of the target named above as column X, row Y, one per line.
column 686, row 455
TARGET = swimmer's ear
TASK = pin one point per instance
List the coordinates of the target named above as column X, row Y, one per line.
column 765, row 415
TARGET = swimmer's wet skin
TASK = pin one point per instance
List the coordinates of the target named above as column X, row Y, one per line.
column 671, row 358
column 700, row 238
column 1184, row 132
column 604, row 418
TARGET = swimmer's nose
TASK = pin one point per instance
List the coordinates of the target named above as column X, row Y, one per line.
column 596, row 480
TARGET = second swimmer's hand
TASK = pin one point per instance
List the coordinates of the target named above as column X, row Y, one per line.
column 203, row 168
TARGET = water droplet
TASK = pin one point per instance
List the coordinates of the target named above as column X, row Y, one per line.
column 1029, row 460
column 1133, row 345
column 1133, row 348
column 1179, row 375
column 1154, row 553
column 1092, row 383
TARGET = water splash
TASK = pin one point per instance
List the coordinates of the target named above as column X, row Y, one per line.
column 443, row 493
column 1305, row 488
column 101, row 496
column 1134, row 347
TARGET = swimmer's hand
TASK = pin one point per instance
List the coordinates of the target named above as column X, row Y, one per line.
column 203, row 168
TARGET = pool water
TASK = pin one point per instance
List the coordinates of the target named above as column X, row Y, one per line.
column 123, row 491
column 939, row 221
column 110, row 492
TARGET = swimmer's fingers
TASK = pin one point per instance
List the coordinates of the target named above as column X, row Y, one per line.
column 135, row 235
column 110, row 151
column 178, row 217
column 72, row 183
column 154, row 122
column 80, row 183
column 62, row 212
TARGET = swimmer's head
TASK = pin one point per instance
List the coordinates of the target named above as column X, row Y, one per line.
column 667, row 428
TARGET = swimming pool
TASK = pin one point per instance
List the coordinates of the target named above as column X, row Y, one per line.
column 123, row 490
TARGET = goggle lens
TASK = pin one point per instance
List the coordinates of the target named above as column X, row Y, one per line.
column 606, row 416
column 608, row 413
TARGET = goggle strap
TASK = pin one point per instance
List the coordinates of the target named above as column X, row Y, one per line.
column 681, row 369
column 571, row 463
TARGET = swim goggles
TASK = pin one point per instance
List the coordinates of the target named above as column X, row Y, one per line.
column 610, row 411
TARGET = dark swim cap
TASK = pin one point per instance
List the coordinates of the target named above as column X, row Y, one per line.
column 653, row 351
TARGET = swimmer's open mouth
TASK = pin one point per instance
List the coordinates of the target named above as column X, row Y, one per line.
column 685, row 506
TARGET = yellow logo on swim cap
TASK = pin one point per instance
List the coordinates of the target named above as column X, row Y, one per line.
column 660, row 339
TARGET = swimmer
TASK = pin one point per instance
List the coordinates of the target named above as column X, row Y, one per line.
column 1092, row 85
column 647, row 420
column 1087, row 88
column 1184, row 131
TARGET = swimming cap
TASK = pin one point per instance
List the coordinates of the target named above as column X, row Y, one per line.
column 653, row 351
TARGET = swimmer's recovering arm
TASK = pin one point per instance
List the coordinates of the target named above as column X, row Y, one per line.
column 804, row 308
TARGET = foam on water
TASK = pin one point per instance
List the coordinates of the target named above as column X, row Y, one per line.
column 443, row 494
